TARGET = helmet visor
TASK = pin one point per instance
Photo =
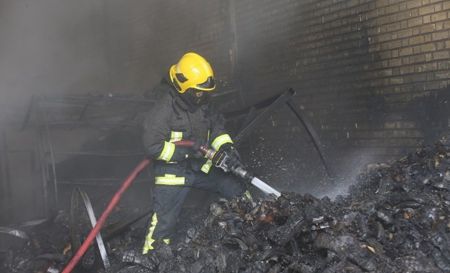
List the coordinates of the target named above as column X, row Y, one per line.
column 209, row 84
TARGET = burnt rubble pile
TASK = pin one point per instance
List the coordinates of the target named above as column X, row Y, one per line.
column 396, row 219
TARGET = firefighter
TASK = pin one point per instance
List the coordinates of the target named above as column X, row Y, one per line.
column 183, row 112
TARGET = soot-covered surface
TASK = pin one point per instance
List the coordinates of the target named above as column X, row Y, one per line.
column 395, row 219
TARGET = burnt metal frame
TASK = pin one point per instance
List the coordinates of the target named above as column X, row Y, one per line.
column 45, row 148
column 84, row 102
column 254, row 115
column 268, row 107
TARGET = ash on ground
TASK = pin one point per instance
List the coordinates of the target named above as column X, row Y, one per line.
column 395, row 219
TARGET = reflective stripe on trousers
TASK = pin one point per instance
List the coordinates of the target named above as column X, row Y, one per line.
column 170, row 180
column 149, row 240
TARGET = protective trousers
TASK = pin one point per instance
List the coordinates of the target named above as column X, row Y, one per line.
column 169, row 198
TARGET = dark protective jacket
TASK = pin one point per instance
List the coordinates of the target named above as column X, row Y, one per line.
column 172, row 120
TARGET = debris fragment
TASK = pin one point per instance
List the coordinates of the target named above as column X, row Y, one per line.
column 14, row 232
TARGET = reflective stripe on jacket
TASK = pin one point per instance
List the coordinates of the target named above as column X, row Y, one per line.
column 169, row 121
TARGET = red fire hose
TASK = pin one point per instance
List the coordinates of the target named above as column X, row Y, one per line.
column 112, row 204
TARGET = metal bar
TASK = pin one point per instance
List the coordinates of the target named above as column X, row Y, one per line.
column 15, row 151
column 3, row 200
column 234, row 37
column 43, row 159
column 43, row 163
column 102, row 124
column 55, row 98
column 28, row 114
column 100, row 154
column 261, row 105
column 93, row 220
column 250, row 116
column 279, row 101
column 7, row 175
column 52, row 157
column 313, row 135
column 83, row 111
column 96, row 179
column 224, row 93
column 90, row 184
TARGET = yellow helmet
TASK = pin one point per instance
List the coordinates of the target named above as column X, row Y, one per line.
column 192, row 71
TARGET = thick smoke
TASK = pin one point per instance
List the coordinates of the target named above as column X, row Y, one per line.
column 57, row 48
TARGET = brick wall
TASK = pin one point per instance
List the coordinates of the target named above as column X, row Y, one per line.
column 372, row 74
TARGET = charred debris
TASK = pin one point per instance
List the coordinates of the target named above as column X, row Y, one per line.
column 394, row 219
